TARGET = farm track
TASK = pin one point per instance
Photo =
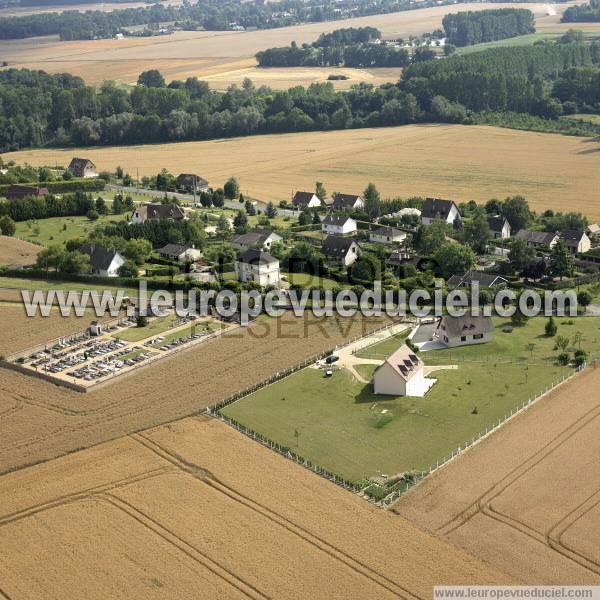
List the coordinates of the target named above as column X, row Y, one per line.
column 304, row 534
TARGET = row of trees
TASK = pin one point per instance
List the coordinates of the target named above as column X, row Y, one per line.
column 582, row 13
column 476, row 27
column 77, row 204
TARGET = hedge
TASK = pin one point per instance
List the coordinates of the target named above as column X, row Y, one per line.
column 64, row 187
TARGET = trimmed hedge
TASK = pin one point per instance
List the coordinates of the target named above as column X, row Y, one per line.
column 64, row 187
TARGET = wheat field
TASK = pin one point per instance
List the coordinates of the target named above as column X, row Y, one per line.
column 450, row 161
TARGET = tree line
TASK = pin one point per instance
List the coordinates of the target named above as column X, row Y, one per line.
column 582, row 13
column 476, row 27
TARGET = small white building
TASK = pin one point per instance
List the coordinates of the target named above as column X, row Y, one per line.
column 103, row 261
column 436, row 209
column 302, row 200
column 499, row 227
column 464, row 331
column 340, row 250
column 82, row 167
column 348, row 202
column 180, row 253
column 338, row 225
column 576, row 241
column 259, row 267
column 387, row 235
column 401, row 374
column 148, row 212
column 260, row 239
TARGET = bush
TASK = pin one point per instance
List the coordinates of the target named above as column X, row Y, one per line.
column 563, row 358
column 581, row 357
column 551, row 328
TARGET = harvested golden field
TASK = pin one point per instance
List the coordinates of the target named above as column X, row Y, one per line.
column 449, row 161
column 19, row 11
column 194, row 509
column 41, row 420
column 14, row 252
column 207, row 53
column 526, row 498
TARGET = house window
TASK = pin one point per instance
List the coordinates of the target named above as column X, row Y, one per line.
column 478, row 336
column 463, row 338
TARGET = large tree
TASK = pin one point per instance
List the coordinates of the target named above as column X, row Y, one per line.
column 561, row 261
column 454, row 259
column 477, row 231
column 516, row 210
column 372, row 201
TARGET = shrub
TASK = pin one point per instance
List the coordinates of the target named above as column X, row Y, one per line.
column 551, row 327
column 563, row 358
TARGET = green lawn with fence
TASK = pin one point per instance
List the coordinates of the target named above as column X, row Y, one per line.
column 339, row 423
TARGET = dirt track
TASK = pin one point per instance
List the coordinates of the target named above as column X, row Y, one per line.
column 526, row 499
column 194, row 509
column 41, row 421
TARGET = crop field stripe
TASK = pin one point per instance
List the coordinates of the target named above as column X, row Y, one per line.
column 276, row 518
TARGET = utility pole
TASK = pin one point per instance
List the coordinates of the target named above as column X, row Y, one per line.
column 194, row 189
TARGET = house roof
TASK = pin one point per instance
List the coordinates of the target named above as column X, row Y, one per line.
column 572, row 237
column 436, row 208
column 256, row 237
column 388, row 232
column 345, row 200
column 256, row 257
column 100, row 257
column 474, row 325
column 542, row 238
column 593, row 228
column 302, row 198
column 25, row 190
column 497, row 223
column 174, row 250
column 336, row 246
column 398, row 257
column 484, row 279
column 404, row 362
column 336, row 220
column 160, row 211
column 77, row 165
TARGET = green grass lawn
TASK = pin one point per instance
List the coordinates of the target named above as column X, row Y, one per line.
column 57, row 230
column 340, row 421
column 311, row 281
column 19, row 283
column 384, row 348
column 595, row 119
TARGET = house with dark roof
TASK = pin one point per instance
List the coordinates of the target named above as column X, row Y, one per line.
column 465, row 330
column 257, row 266
column 538, row 239
column 18, row 192
column 399, row 258
column 260, row 239
column 485, row 280
column 147, row 212
column 180, row 253
column 401, row 374
column 499, row 226
column 338, row 225
column 436, row 209
column 576, row 241
column 103, row 261
column 82, row 167
column 347, row 202
column 387, row 235
column 191, row 182
column 302, row 200
column 340, row 250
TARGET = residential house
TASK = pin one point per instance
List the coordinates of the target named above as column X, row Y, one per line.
column 340, row 250
column 82, row 167
column 593, row 231
column 191, row 182
column 576, row 241
column 401, row 374
column 348, row 202
column 103, row 261
column 147, row 212
column 338, row 225
column 260, row 239
column 180, row 253
column 399, row 258
column 302, row 200
column 18, row 192
column 485, row 280
column 387, row 235
column 257, row 266
column 436, row 209
column 465, row 330
column 499, row 226
column 538, row 239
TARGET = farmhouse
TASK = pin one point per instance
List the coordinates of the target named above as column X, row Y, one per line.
column 191, row 182
column 18, row 192
column 435, row 209
column 147, row 212
column 302, row 200
column 347, row 202
column 593, row 230
column 82, row 167
column 387, row 235
column 180, row 253
column 465, row 330
column 576, row 241
column 485, row 280
column 340, row 250
column 499, row 227
column 538, row 239
column 338, row 225
column 260, row 239
column 257, row 266
column 401, row 375
column 103, row 261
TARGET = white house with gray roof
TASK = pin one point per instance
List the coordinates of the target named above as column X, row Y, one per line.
column 259, row 239
column 464, row 331
column 103, row 261
column 401, row 374
column 257, row 266
column 338, row 225
column 387, row 235
column 340, row 250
